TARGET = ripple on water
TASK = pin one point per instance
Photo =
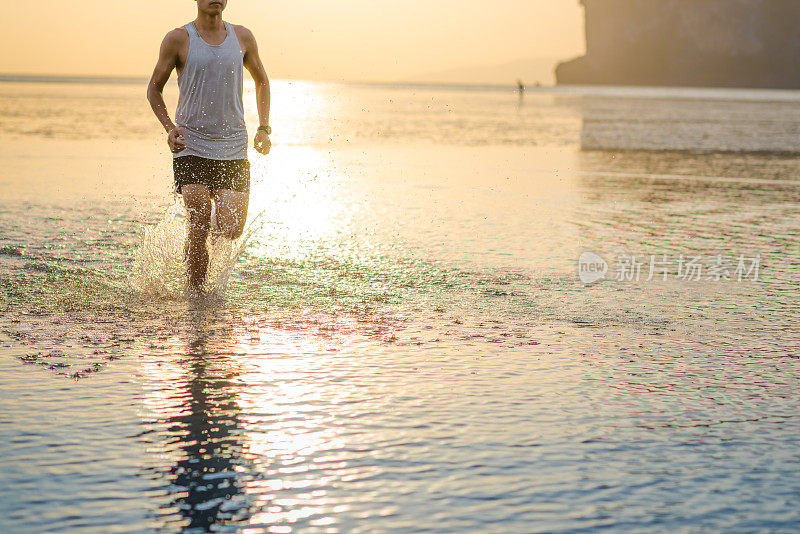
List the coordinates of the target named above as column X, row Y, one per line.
column 347, row 388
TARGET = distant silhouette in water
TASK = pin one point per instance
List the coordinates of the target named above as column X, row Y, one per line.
column 521, row 88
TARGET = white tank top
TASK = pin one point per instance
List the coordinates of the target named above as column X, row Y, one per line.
column 210, row 110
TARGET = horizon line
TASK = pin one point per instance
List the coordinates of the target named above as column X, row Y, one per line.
column 130, row 79
column 630, row 91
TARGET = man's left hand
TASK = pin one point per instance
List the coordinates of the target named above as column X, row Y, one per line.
column 261, row 142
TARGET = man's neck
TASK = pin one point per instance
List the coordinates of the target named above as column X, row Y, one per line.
column 209, row 23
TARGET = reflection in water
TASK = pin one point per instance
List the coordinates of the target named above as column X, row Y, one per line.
column 405, row 346
column 246, row 412
column 744, row 122
column 201, row 431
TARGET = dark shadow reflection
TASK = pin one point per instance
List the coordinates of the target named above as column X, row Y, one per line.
column 205, row 433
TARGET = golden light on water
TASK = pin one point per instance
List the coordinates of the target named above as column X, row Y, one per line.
column 301, row 112
column 298, row 203
column 294, row 188
column 285, row 431
column 261, row 391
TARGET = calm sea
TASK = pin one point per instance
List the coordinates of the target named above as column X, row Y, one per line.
column 454, row 310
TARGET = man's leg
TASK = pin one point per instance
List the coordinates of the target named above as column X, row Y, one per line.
column 231, row 212
column 198, row 203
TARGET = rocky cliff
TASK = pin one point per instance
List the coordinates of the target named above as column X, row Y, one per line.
column 701, row 43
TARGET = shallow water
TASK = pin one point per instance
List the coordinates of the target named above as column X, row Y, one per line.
column 404, row 343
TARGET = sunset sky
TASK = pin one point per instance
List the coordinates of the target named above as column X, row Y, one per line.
column 478, row 41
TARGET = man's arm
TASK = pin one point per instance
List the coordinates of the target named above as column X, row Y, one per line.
column 167, row 61
column 252, row 62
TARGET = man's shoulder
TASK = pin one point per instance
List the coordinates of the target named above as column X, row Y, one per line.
column 242, row 32
column 177, row 35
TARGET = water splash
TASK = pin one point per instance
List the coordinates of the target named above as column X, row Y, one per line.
column 159, row 268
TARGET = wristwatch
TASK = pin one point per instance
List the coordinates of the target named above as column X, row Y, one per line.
column 267, row 129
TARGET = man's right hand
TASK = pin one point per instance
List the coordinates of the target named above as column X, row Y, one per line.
column 175, row 140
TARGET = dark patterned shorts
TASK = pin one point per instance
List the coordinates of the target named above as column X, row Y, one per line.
column 217, row 174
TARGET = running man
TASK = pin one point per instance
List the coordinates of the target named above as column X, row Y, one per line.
column 209, row 143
